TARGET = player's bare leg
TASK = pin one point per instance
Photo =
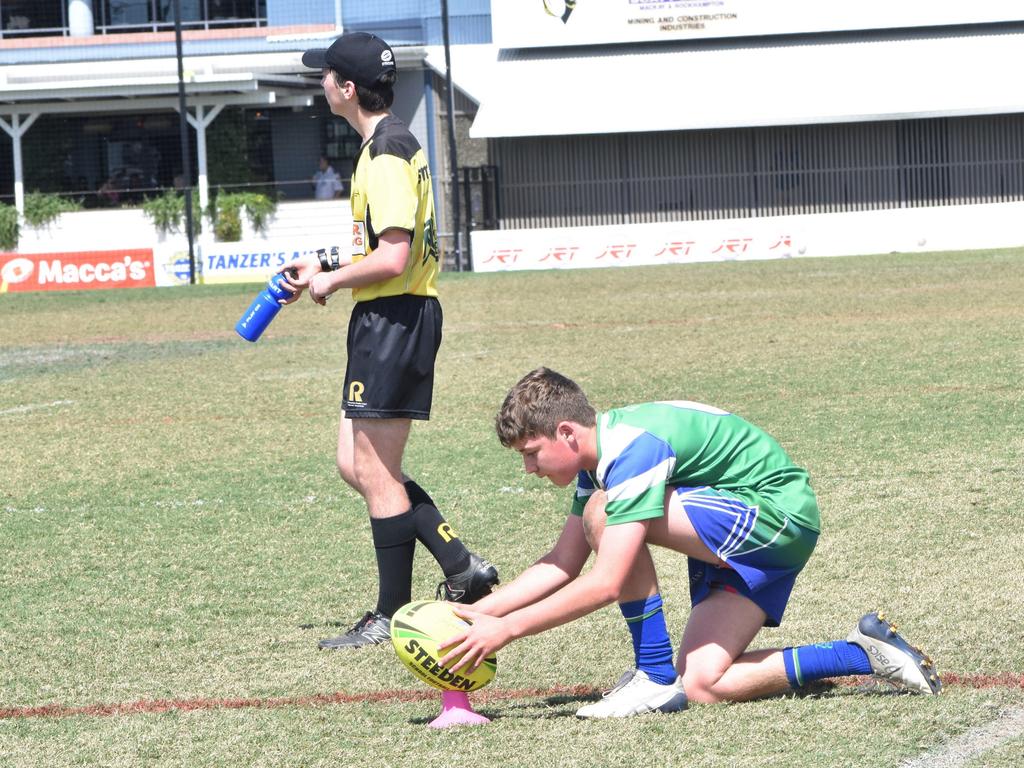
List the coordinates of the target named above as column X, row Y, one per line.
column 651, row 685
column 379, row 446
column 370, row 460
column 713, row 661
column 720, row 628
column 715, row 665
column 674, row 531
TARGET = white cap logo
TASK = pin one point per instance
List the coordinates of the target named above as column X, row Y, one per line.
column 386, row 57
column 17, row 271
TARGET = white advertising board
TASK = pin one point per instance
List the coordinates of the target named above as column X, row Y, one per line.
column 907, row 230
column 541, row 23
column 250, row 261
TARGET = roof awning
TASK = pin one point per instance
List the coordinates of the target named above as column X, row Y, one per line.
column 736, row 83
column 150, row 85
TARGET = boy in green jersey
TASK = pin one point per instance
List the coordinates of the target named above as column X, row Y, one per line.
column 702, row 482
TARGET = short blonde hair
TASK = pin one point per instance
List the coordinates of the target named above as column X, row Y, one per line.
column 538, row 403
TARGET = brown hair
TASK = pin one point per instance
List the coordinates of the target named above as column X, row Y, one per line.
column 375, row 98
column 538, row 403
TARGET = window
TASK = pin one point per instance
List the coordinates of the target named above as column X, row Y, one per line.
column 25, row 18
column 28, row 18
column 115, row 16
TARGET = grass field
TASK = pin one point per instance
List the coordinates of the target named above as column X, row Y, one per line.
column 174, row 538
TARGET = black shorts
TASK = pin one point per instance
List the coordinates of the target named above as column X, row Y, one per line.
column 392, row 345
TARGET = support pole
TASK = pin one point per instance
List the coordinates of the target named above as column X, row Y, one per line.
column 186, row 166
column 16, row 129
column 453, row 157
column 201, row 122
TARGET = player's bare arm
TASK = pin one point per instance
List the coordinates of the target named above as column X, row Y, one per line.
column 551, row 572
column 602, row 585
column 389, row 259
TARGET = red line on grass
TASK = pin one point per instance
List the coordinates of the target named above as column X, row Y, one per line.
column 145, row 706
column 975, row 681
column 1001, row 680
column 156, row 706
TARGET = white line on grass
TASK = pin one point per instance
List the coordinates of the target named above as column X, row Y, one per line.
column 1009, row 725
column 35, row 407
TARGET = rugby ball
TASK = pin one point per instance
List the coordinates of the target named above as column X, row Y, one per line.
column 416, row 630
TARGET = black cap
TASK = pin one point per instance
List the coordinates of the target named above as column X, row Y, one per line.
column 359, row 56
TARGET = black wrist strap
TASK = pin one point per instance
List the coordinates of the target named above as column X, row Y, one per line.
column 325, row 265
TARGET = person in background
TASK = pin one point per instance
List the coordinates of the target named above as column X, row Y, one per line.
column 326, row 181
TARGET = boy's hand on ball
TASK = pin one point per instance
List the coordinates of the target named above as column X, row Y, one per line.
column 485, row 637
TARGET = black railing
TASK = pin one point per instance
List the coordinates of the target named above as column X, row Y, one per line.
column 482, row 203
column 112, row 17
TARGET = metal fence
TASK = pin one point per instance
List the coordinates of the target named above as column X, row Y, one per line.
column 636, row 178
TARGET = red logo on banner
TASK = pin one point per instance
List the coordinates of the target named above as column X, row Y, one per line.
column 618, row 251
column 734, row 245
column 561, row 253
column 504, row 255
column 676, row 248
column 76, row 271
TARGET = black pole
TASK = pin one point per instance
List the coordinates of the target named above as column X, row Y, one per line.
column 186, row 165
column 452, row 155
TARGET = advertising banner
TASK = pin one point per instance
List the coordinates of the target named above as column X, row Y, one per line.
column 251, row 262
column 540, row 23
column 76, row 271
column 904, row 230
column 171, row 265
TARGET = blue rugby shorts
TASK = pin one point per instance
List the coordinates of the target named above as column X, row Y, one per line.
column 763, row 549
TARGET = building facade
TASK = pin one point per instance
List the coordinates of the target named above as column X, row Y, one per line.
column 567, row 116
column 89, row 94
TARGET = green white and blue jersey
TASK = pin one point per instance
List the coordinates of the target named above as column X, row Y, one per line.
column 644, row 448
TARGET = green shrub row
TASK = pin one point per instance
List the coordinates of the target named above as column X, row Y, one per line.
column 41, row 209
column 167, row 212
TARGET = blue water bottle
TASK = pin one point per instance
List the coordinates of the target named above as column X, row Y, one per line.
column 263, row 309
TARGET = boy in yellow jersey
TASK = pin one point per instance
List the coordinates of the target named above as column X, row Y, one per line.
column 393, row 335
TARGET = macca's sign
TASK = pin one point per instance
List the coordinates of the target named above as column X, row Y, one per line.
column 76, row 271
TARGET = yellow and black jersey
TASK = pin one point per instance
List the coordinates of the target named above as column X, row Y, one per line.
column 391, row 189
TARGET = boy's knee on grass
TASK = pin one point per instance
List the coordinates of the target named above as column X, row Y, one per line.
column 700, row 683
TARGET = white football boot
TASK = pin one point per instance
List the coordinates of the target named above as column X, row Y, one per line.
column 635, row 694
column 892, row 658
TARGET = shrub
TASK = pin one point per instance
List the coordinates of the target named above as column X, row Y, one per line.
column 228, row 226
column 8, row 227
column 167, row 212
column 42, row 209
column 227, row 209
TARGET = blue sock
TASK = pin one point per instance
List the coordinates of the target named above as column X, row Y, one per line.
column 814, row 662
column 651, row 644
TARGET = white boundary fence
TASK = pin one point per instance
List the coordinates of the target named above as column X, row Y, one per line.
column 112, row 249
column 909, row 230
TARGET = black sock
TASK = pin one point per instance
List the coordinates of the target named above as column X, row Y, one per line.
column 394, row 541
column 437, row 536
